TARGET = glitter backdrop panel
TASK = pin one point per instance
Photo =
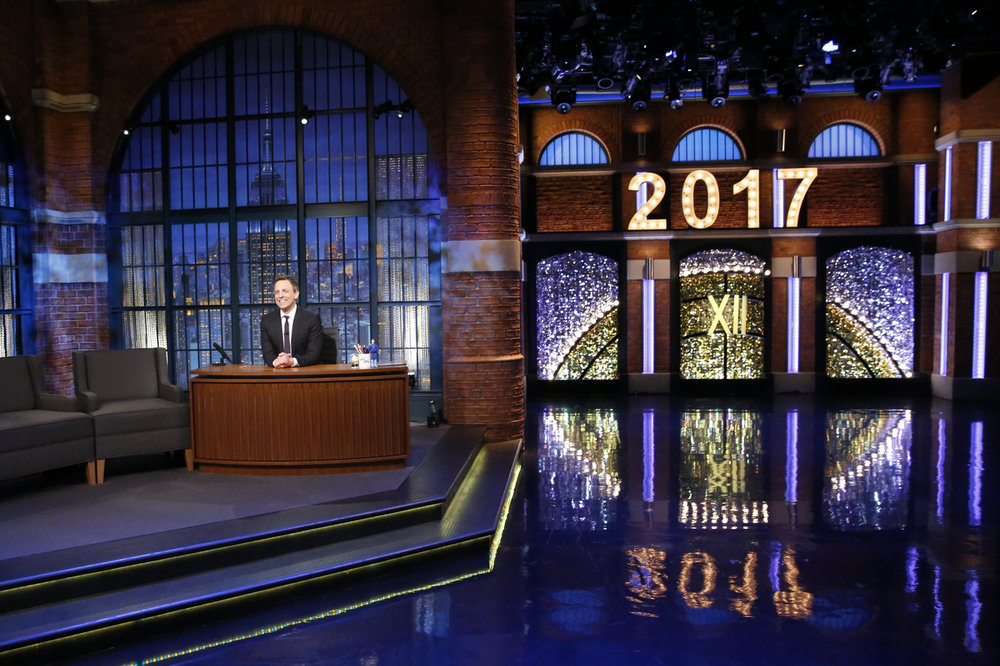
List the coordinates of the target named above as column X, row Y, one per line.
column 869, row 313
column 722, row 315
column 577, row 319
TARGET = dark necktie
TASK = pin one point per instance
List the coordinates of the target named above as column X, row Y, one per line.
column 288, row 341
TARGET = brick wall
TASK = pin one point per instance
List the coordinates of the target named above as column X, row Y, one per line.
column 69, row 318
column 844, row 198
column 574, row 203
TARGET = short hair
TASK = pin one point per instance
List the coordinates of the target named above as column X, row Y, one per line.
column 290, row 278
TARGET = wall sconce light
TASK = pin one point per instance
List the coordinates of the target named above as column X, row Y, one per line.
column 986, row 260
column 306, row 115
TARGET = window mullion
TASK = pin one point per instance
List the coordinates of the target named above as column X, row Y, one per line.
column 373, row 272
column 300, row 171
column 234, row 267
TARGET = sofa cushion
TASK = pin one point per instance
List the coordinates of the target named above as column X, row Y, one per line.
column 125, row 416
column 122, row 374
column 16, row 389
column 40, row 427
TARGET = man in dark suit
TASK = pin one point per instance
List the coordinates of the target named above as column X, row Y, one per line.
column 290, row 336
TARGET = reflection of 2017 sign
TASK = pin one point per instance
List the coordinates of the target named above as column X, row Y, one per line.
column 751, row 183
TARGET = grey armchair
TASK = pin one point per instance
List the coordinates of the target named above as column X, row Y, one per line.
column 135, row 408
column 39, row 431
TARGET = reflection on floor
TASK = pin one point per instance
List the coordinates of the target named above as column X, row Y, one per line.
column 657, row 530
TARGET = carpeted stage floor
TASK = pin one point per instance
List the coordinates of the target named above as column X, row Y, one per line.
column 149, row 494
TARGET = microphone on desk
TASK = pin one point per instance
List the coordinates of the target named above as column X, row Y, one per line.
column 225, row 356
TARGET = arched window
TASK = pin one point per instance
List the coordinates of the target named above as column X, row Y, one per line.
column 573, row 149
column 271, row 152
column 722, row 315
column 706, row 144
column 869, row 313
column 16, row 319
column 577, row 318
column 844, row 140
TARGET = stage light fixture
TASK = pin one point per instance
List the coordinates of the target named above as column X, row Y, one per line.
column 755, row 84
column 637, row 92
column 868, row 89
column 674, row 95
column 563, row 98
column 399, row 110
column 791, row 91
column 605, row 83
column 716, row 88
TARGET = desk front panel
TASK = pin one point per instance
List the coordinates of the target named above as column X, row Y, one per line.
column 280, row 423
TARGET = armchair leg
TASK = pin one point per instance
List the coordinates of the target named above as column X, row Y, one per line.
column 95, row 472
column 189, row 459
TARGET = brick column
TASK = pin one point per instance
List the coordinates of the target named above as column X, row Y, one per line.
column 69, row 260
column 481, row 253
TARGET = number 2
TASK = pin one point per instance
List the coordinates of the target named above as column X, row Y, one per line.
column 640, row 219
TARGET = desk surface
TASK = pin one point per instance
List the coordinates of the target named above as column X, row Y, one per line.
column 309, row 371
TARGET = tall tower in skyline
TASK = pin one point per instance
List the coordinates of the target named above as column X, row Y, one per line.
column 268, row 187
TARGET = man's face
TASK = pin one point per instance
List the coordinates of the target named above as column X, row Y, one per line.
column 285, row 295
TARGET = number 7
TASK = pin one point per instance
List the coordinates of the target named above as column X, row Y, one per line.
column 794, row 208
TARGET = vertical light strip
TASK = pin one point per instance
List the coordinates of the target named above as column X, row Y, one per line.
column 648, row 455
column 792, row 457
column 941, row 451
column 973, row 607
column 979, row 326
column 794, row 295
column 938, row 605
column 648, row 324
column 648, row 293
column 943, row 333
column 912, row 560
column 976, row 474
column 774, row 566
column 920, row 194
column 947, row 184
column 984, row 174
column 777, row 200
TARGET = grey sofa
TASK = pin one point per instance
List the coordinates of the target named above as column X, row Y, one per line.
column 135, row 408
column 39, row 431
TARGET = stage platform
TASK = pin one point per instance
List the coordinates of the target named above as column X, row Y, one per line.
column 157, row 548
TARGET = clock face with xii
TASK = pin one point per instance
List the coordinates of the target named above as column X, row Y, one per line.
column 722, row 315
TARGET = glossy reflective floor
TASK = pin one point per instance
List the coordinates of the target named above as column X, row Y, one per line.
column 656, row 530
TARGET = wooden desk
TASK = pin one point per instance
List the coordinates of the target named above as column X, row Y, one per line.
column 311, row 420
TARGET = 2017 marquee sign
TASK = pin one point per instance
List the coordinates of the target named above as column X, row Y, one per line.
column 750, row 184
